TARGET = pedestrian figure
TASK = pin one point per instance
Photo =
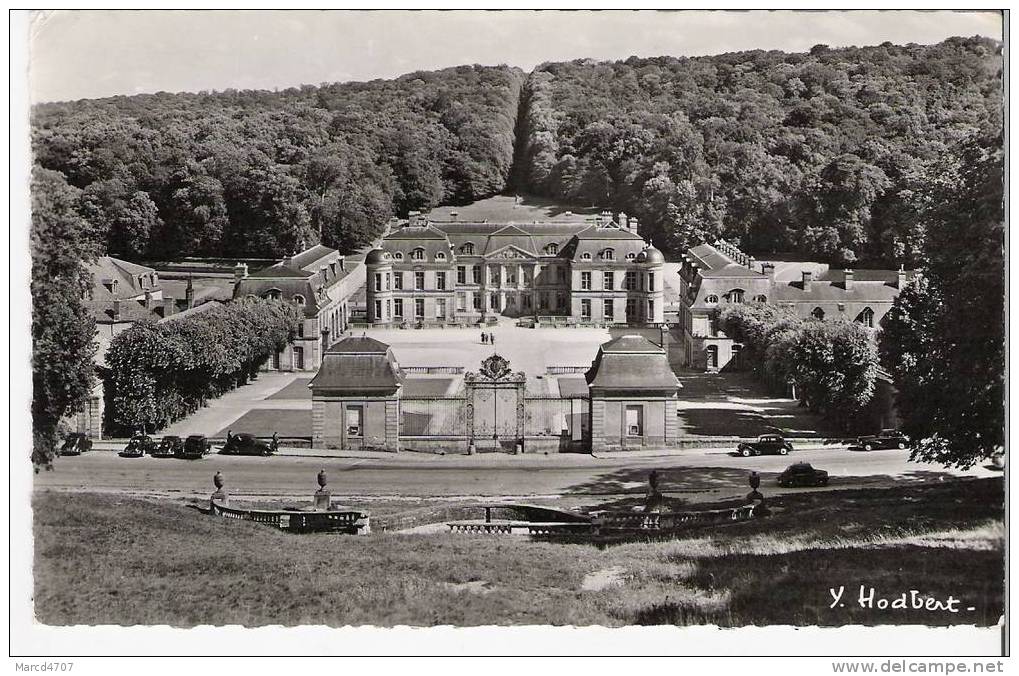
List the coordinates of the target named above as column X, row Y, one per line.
column 229, row 437
column 491, row 338
column 484, row 338
column 275, row 442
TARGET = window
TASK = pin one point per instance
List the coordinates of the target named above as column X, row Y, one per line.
column 585, row 256
column 631, row 280
column 398, row 281
column 761, row 299
column 631, row 309
column 585, row 308
column 300, row 329
column 630, row 256
column 736, row 296
column 273, row 294
column 419, row 308
column 389, row 282
column 553, row 249
column 585, row 281
column 440, row 281
column 378, row 281
column 299, row 299
column 299, row 358
column 477, row 302
column 440, row 256
column 467, row 249
column 440, row 308
column 378, row 310
column 528, row 276
column 354, row 421
column 608, row 254
column 419, row 281
column 398, row 255
column 461, row 302
column 711, row 300
column 609, row 281
column 561, row 274
column 526, row 302
column 418, row 254
column 650, row 281
column 866, row 317
column 398, row 307
column 493, row 301
column 609, row 310
column 476, row 274
column 276, row 360
column 634, row 421
column 650, row 310
column 461, row 274
column 818, row 314
column 736, row 356
column 543, row 301
column 712, row 356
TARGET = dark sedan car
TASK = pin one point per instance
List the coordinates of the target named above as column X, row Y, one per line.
column 886, row 439
column 766, row 444
column 195, row 446
column 802, row 474
column 139, row 445
column 76, row 444
column 246, row 444
column 169, row 447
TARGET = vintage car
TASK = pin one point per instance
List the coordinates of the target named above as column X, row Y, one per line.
column 766, row 444
column 76, row 444
column 247, row 444
column 169, row 447
column 802, row 474
column 886, row 439
column 195, row 446
column 139, row 445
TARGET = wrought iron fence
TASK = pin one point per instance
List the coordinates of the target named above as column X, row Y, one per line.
column 433, row 417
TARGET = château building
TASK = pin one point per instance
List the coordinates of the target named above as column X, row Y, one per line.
column 451, row 272
column 714, row 275
column 322, row 282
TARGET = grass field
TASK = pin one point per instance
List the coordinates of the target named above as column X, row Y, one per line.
column 106, row 560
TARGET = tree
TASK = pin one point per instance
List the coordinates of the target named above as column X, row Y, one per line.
column 63, row 330
column 944, row 339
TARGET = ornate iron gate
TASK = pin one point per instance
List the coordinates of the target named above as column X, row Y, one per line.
column 495, row 403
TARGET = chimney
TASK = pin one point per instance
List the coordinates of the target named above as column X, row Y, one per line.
column 808, row 277
column 900, row 281
column 116, row 310
column 169, row 306
column 632, row 225
column 414, row 218
column 624, row 222
column 847, row 280
column 148, row 300
column 605, row 217
column 240, row 271
column 189, row 294
column 768, row 270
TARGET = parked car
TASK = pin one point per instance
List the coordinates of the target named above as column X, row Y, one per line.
column 169, row 446
column 195, row 446
column 766, row 444
column 76, row 444
column 140, row 444
column 886, row 439
column 802, row 474
column 246, row 444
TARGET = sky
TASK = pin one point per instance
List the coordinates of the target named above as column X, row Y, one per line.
column 90, row 54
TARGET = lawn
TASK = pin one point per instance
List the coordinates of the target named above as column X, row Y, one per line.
column 263, row 422
column 103, row 559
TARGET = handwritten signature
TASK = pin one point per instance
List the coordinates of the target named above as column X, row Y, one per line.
column 909, row 600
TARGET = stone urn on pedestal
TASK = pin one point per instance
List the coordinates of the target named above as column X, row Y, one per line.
column 220, row 495
column 323, row 499
column 754, row 496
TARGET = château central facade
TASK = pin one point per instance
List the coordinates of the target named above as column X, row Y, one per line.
column 452, row 272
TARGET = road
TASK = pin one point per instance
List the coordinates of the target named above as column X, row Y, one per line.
column 700, row 474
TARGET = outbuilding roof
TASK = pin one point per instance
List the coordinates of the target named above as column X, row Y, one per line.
column 632, row 362
column 358, row 364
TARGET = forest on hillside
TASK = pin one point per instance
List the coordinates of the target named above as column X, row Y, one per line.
column 256, row 173
column 836, row 153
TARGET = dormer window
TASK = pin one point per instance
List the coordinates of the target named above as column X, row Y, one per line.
column 440, row 256
column 585, row 256
column 711, row 300
column 817, row 314
column 553, row 249
column 761, row 299
column 272, row 294
column 608, row 255
column 467, row 249
column 418, row 254
column 398, row 255
column 299, row 299
column 866, row 318
column 630, row 256
column 735, row 296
